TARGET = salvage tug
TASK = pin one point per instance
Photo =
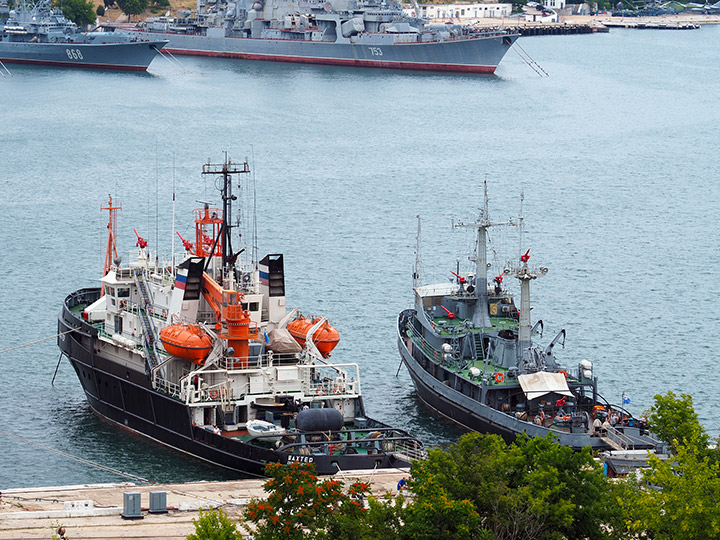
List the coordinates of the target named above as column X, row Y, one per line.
column 202, row 356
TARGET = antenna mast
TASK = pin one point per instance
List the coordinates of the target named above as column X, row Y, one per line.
column 481, row 315
column 416, row 271
column 111, row 253
column 226, row 170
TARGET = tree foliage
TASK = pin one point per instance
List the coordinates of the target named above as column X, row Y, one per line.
column 481, row 488
column 674, row 420
column 214, row 525
column 683, row 502
column 300, row 506
column 81, row 12
column 532, row 489
column 132, row 7
column 100, row 11
column 678, row 498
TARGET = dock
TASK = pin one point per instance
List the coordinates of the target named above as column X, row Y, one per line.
column 95, row 511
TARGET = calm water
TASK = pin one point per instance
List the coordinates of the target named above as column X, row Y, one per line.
column 616, row 152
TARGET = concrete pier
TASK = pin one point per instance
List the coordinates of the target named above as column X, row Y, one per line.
column 95, row 511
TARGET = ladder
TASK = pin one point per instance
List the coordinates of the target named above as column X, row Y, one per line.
column 479, row 352
column 149, row 333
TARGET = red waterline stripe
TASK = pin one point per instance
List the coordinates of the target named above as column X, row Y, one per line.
column 73, row 64
column 337, row 61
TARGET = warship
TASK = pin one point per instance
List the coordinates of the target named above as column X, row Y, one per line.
column 472, row 359
column 200, row 354
column 361, row 33
column 37, row 33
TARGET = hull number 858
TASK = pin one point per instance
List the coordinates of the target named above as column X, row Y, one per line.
column 74, row 54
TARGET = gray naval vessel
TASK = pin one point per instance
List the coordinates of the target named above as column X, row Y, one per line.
column 471, row 356
column 365, row 33
column 37, row 33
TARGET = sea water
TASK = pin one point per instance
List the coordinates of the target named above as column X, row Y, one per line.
column 615, row 153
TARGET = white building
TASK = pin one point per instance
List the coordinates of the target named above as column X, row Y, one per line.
column 461, row 11
column 554, row 4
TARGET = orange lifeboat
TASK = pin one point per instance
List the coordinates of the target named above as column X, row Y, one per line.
column 325, row 339
column 186, row 341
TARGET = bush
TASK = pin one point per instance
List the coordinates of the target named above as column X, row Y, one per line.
column 214, row 525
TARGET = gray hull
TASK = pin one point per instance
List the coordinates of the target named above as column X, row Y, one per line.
column 466, row 411
column 472, row 54
column 131, row 56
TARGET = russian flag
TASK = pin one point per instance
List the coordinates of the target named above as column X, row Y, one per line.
column 264, row 275
column 180, row 281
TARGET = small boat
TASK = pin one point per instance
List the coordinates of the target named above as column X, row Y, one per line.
column 229, row 385
column 472, row 358
column 325, row 336
column 186, row 341
column 257, row 428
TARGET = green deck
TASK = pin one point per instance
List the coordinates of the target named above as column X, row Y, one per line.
column 443, row 325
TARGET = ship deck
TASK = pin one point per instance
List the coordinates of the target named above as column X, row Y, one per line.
column 445, row 326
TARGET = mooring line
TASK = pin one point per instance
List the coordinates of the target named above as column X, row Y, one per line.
column 38, row 340
column 78, row 459
column 529, row 60
column 167, row 55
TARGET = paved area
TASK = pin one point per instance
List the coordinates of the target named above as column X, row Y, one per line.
column 95, row 511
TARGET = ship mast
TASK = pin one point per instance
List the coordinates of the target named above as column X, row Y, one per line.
column 226, row 170
column 111, row 253
column 481, row 315
column 416, row 270
column 526, row 274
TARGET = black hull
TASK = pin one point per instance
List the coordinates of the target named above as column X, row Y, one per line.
column 124, row 397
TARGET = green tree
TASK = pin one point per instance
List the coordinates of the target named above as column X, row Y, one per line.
column 684, row 501
column 100, row 11
column 81, row 12
column 132, row 7
column 434, row 514
column 519, row 6
column 532, row 489
column 214, row 525
column 674, row 420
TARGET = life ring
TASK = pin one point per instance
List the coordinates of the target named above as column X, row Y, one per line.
column 123, row 304
column 319, row 391
column 499, row 377
column 337, row 389
column 214, row 393
column 164, row 313
column 564, row 373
